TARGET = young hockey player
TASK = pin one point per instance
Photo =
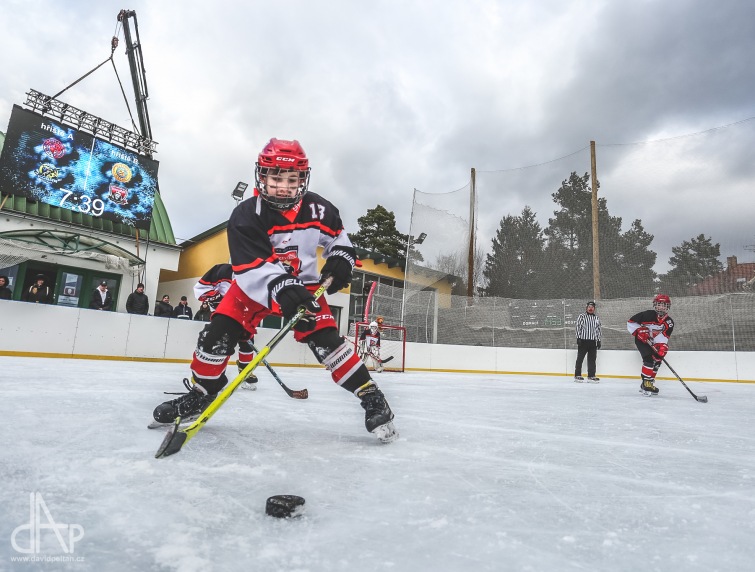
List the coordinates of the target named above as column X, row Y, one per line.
column 211, row 288
column 273, row 239
column 369, row 346
column 651, row 330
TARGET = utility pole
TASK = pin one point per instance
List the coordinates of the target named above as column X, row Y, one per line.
column 595, row 236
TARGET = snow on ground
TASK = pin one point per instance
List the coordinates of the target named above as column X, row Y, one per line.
column 490, row 473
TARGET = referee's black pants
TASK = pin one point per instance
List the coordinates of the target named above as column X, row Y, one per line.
column 587, row 348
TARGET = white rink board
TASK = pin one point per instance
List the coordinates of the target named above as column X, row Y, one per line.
column 30, row 328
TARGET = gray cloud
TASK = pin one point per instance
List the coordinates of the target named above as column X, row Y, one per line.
column 390, row 96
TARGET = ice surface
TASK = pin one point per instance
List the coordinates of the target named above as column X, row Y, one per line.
column 490, row 473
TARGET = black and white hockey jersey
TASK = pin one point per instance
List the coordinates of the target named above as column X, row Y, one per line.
column 213, row 285
column 370, row 339
column 267, row 244
column 660, row 327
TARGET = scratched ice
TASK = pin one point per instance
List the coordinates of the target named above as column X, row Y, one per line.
column 490, row 473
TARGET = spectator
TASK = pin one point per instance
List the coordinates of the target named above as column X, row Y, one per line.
column 163, row 309
column 183, row 311
column 101, row 298
column 7, row 294
column 204, row 313
column 38, row 293
column 137, row 302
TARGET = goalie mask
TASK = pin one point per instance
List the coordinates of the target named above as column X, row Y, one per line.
column 661, row 304
column 281, row 173
column 373, row 327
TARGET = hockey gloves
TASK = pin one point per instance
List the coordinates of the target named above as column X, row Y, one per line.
column 338, row 265
column 291, row 294
column 642, row 334
column 661, row 350
column 598, row 344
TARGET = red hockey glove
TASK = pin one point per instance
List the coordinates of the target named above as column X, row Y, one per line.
column 642, row 334
column 661, row 349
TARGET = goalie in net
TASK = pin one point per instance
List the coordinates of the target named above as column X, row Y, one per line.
column 382, row 347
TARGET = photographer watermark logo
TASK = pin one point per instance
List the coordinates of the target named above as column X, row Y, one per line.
column 26, row 537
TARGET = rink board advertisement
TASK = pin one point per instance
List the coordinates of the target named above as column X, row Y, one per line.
column 47, row 161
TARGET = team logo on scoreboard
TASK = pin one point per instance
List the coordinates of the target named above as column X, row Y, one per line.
column 48, row 172
column 53, row 148
column 121, row 172
column 118, row 195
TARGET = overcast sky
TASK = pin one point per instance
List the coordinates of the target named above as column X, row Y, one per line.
column 389, row 96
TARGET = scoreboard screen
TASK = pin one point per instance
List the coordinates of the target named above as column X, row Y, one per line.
column 48, row 161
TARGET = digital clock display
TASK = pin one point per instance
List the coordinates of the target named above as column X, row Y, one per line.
column 53, row 163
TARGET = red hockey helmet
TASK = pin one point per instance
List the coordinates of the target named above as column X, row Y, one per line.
column 280, row 156
column 661, row 304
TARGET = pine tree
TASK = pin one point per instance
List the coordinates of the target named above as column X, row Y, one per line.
column 514, row 268
column 377, row 233
column 692, row 261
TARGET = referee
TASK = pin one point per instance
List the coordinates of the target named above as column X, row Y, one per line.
column 588, row 343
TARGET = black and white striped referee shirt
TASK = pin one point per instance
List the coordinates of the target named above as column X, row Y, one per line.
column 588, row 327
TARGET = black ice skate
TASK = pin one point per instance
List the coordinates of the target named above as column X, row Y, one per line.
column 188, row 407
column 377, row 414
column 593, row 379
column 579, row 379
column 647, row 387
column 250, row 382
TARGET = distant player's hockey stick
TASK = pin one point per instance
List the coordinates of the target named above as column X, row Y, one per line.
column 177, row 437
column 294, row 393
column 700, row 398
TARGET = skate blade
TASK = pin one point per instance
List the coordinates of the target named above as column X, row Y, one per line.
column 648, row 393
column 249, row 386
column 386, row 433
column 184, row 421
column 579, row 381
column 593, row 381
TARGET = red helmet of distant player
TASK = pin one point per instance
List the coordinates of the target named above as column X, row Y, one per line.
column 282, row 173
column 661, row 304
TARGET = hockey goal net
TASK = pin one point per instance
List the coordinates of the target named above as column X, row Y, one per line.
column 392, row 345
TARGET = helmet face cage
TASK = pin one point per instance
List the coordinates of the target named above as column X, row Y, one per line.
column 281, row 203
column 280, row 156
column 662, row 304
column 373, row 327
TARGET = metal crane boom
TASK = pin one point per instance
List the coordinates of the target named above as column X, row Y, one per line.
column 138, row 74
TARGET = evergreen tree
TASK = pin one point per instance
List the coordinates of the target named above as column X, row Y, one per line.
column 377, row 233
column 514, row 268
column 692, row 261
column 626, row 262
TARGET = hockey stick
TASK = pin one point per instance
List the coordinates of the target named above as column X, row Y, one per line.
column 699, row 398
column 293, row 393
column 376, row 356
column 176, row 438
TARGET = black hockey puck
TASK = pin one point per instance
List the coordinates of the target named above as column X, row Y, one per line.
column 284, row 506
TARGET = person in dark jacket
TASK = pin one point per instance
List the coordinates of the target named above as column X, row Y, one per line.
column 163, row 309
column 38, row 293
column 204, row 313
column 183, row 311
column 101, row 298
column 137, row 302
column 7, row 294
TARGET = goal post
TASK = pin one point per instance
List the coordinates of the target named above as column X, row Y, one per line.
column 392, row 345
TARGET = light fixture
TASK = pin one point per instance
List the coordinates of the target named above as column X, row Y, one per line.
column 238, row 192
column 421, row 238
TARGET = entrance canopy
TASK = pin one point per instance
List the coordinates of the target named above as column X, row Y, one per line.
column 22, row 244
